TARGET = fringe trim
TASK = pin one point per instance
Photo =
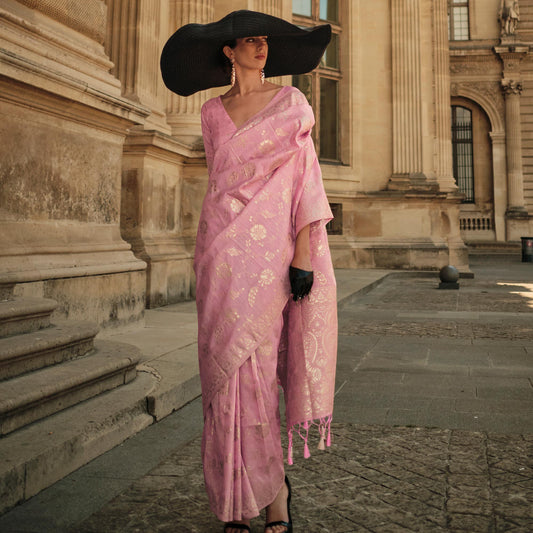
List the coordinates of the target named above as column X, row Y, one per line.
column 302, row 429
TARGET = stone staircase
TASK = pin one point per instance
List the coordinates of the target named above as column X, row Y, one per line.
column 64, row 397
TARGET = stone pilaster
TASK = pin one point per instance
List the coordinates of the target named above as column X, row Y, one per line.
column 515, row 178
column 134, row 44
column 183, row 113
column 407, row 135
column 512, row 88
column 153, row 176
column 441, row 61
column 272, row 7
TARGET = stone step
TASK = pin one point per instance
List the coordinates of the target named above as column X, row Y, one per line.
column 24, row 315
column 36, row 456
column 39, row 394
column 31, row 351
column 488, row 248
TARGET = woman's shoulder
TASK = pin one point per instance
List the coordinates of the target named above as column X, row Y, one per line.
column 295, row 96
column 209, row 105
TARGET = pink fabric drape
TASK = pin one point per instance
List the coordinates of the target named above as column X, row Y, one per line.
column 264, row 186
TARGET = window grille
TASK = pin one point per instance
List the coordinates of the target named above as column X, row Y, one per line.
column 463, row 151
column 458, row 20
column 321, row 87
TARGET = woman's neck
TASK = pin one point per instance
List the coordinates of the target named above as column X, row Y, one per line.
column 248, row 81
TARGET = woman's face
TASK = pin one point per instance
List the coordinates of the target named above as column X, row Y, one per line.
column 250, row 52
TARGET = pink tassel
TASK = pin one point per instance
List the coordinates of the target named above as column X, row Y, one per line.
column 306, row 447
column 322, row 431
column 328, row 442
column 306, row 451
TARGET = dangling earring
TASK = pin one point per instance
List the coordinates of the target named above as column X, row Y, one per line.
column 233, row 74
column 262, row 76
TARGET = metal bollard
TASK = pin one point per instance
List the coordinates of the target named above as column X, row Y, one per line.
column 527, row 249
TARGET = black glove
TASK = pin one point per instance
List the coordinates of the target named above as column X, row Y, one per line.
column 301, row 282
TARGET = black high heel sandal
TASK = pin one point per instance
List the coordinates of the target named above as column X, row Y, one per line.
column 288, row 524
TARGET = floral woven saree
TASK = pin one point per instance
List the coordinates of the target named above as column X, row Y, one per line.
column 264, row 186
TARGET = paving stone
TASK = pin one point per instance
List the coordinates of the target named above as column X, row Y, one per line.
column 457, row 366
column 374, row 478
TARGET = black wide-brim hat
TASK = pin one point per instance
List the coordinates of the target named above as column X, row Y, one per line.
column 192, row 59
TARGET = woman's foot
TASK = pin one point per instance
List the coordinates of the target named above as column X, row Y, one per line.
column 278, row 511
column 233, row 527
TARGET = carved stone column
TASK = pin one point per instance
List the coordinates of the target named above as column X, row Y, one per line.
column 133, row 44
column 408, row 169
column 183, row 113
column 512, row 88
column 515, row 178
column 443, row 127
column 500, row 184
column 272, row 7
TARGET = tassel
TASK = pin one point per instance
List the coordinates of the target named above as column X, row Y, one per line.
column 306, row 447
column 306, row 451
column 328, row 442
column 321, row 445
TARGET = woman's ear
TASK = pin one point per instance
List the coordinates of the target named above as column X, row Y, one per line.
column 228, row 52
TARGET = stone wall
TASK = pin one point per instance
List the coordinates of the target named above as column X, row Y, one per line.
column 63, row 125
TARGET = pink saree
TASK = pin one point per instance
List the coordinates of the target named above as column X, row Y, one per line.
column 264, row 186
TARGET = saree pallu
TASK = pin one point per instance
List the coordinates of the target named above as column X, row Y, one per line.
column 264, row 186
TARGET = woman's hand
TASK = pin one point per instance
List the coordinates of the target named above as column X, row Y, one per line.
column 301, row 282
column 301, row 271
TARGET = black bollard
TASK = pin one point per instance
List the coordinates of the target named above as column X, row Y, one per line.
column 448, row 277
column 527, row 249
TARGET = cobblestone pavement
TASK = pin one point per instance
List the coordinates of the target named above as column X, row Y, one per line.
column 434, row 430
column 378, row 479
column 433, row 426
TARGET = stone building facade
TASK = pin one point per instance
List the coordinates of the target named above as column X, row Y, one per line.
column 102, row 170
column 491, row 86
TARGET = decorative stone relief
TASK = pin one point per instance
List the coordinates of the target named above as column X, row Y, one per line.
column 509, row 17
column 475, row 66
column 489, row 90
column 511, row 87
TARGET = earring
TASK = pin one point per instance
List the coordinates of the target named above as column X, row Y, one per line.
column 233, row 74
column 262, row 76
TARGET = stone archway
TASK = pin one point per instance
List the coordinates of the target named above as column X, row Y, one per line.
column 487, row 102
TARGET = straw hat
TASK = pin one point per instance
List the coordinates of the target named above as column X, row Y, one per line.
column 192, row 59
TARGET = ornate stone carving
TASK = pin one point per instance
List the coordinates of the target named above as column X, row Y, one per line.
column 509, row 17
column 475, row 66
column 511, row 87
column 490, row 90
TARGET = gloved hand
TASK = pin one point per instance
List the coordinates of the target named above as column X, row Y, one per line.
column 301, row 282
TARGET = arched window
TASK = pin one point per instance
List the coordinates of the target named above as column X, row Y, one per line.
column 321, row 87
column 458, row 20
column 463, row 151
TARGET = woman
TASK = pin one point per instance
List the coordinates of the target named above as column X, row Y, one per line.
column 261, row 238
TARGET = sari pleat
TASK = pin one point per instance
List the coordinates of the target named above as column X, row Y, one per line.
column 241, row 445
